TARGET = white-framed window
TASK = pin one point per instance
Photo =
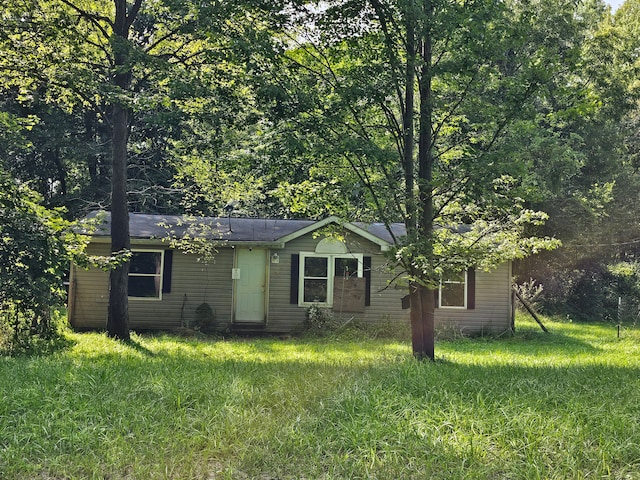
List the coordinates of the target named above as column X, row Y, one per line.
column 317, row 274
column 145, row 274
column 453, row 290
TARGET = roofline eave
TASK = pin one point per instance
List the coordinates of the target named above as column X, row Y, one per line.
column 102, row 239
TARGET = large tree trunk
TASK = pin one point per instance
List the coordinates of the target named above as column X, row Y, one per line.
column 118, row 316
column 421, row 320
column 424, row 296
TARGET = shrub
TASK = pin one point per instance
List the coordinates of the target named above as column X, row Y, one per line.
column 626, row 284
column 17, row 335
column 591, row 297
column 205, row 318
column 33, row 258
column 318, row 318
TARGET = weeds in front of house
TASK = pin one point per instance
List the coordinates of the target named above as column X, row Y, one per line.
column 534, row 405
column 531, row 292
column 324, row 323
column 21, row 334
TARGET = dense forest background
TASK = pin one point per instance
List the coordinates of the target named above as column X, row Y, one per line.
column 299, row 110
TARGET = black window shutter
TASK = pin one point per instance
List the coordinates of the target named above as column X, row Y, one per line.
column 366, row 264
column 166, row 273
column 406, row 302
column 471, row 288
column 295, row 278
column 436, row 296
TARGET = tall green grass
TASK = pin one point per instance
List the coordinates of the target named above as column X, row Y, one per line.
column 561, row 405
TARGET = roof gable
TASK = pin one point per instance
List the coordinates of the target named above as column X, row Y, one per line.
column 352, row 227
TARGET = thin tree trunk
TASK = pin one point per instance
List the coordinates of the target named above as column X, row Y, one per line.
column 417, row 324
column 92, row 160
column 428, row 322
column 408, row 121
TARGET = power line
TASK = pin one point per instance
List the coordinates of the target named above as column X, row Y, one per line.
column 619, row 244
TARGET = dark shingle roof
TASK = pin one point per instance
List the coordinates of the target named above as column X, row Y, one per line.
column 227, row 229
column 380, row 230
column 233, row 229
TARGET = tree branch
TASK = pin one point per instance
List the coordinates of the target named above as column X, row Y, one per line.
column 133, row 13
column 92, row 18
column 167, row 36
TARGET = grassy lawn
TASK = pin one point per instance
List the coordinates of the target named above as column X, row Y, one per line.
column 561, row 405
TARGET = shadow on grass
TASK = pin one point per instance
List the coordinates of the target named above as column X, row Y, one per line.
column 531, row 341
column 138, row 347
column 528, row 341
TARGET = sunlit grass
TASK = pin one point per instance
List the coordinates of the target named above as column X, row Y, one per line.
column 535, row 405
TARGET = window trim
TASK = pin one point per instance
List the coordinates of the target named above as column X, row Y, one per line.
column 331, row 262
column 465, row 282
column 161, row 274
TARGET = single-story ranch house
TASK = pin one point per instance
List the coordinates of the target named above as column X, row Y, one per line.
column 266, row 273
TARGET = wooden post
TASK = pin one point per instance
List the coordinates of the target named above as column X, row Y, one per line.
column 530, row 310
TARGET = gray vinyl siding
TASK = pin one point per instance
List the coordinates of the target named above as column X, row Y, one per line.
column 492, row 297
column 287, row 317
column 89, row 293
column 386, row 297
column 192, row 283
column 284, row 316
column 493, row 306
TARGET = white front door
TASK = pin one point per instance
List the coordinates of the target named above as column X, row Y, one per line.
column 250, row 285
